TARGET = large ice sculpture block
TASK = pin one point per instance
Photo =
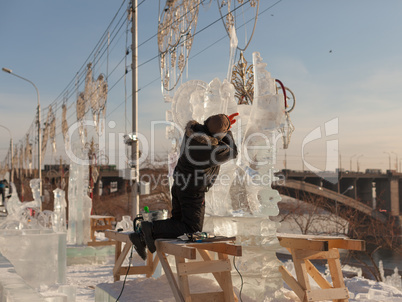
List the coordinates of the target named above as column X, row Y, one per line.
column 79, row 203
column 241, row 200
column 38, row 256
column 59, row 212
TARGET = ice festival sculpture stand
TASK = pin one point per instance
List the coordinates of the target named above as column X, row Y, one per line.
column 241, row 201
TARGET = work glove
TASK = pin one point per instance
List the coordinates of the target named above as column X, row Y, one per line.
column 232, row 119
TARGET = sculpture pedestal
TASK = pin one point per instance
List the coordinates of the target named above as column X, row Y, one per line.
column 258, row 265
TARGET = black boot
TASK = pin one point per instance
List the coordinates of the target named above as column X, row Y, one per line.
column 139, row 244
column 146, row 228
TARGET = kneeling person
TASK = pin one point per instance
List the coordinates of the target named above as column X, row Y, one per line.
column 204, row 148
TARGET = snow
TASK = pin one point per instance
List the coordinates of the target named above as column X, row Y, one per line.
column 139, row 288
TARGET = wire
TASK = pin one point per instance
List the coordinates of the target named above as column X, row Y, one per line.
column 128, row 269
column 241, row 277
column 82, row 68
column 83, row 71
column 81, row 74
column 155, row 57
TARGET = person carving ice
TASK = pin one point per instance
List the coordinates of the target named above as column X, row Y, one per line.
column 204, row 148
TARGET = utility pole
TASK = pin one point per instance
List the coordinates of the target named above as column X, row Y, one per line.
column 134, row 147
column 286, row 163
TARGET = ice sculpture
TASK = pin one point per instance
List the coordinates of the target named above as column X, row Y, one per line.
column 126, row 224
column 241, row 200
column 59, row 211
column 79, row 203
column 19, row 213
column 394, row 280
column 36, row 251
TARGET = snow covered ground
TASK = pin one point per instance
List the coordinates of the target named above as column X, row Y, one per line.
column 87, row 277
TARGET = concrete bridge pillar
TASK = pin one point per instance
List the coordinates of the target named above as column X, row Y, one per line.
column 394, row 196
column 364, row 187
column 388, row 194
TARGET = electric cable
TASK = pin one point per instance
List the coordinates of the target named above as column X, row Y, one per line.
column 241, row 278
column 151, row 59
column 193, row 56
column 128, row 269
column 96, row 46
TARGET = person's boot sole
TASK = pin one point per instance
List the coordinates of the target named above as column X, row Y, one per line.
column 146, row 228
column 139, row 245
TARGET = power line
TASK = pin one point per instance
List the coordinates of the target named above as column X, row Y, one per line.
column 100, row 48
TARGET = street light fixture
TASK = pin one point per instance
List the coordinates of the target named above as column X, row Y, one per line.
column 348, row 189
column 11, row 155
column 7, row 70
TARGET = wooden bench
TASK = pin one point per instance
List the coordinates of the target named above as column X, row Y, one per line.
column 100, row 223
column 305, row 248
column 119, row 237
column 221, row 268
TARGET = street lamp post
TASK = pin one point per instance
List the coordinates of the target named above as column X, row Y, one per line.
column 303, row 159
column 396, row 163
column 336, row 206
column 351, row 161
column 7, row 70
column 357, row 162
column 389, row 159
column 11, row 155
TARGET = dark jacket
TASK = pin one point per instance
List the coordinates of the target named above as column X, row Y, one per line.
column 200, row 158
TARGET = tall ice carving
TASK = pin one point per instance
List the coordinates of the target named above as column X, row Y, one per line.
column 242, row 199
column 79, row 203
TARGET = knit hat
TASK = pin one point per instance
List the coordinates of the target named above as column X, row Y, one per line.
column 217, row 123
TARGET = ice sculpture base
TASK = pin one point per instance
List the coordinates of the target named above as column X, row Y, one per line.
column 38, row 256
column 13, row 287
column 89, row 254
column 259, row 265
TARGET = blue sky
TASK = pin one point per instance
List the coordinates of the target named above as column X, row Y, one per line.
column 342, row 59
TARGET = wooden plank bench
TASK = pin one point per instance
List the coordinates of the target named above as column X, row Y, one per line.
column 304, row 248
column 100, row 223
column 119, row 237
column 221, row 268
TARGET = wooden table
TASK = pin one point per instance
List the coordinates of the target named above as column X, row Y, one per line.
column 306, row 248
column 119, row 237
column 100, row 223
column 221, row 268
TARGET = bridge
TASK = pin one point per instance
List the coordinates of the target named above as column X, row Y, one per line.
column 372, row 189
column 296, row 185
column 374, row 195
